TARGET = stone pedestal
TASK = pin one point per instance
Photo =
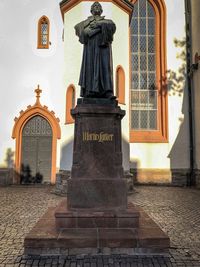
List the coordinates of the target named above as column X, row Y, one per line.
column 96, row 217
column 97, row 173
column 94, row 234
column 97, row 191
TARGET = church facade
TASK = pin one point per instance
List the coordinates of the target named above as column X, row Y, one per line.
column 157, row 89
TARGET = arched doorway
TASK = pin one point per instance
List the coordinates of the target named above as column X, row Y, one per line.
column 36, row 131
column 36, row 152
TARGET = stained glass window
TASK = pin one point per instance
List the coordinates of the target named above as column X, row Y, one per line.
column 144, row 94
column 43, row 32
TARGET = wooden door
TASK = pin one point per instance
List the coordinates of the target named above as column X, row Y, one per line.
column 36, row 150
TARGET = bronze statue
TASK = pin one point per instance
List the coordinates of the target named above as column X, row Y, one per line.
column 96, row 34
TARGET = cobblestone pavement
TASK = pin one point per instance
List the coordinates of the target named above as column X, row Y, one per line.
column 176, row 210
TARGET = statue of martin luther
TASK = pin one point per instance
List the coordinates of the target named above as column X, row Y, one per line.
column 96, row 34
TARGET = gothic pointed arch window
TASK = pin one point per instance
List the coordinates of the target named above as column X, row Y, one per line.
column 148, row 111
column 43, row 33
column 70, row 103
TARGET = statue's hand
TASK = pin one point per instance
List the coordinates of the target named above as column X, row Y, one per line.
column 94, row 25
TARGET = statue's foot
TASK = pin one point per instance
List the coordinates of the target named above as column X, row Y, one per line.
column 110, row 96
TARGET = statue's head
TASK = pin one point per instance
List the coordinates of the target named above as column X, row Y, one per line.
column 96, row 9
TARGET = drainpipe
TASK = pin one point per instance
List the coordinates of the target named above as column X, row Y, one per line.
column 189, row 71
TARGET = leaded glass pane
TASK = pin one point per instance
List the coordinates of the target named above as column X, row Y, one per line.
column 143, row 63
column 134, row 43
column 143, row 80
column 152, row 81
column 151, row 44
column 143, row 43
column 151, row 62
column 144, row 119
column 44, row 28
column 153, row 119
column 44, row 39
column 152, row 99
column 134, row 62
column 143, row 84
column 37, row 126
column 135, row 10
column 135, row 80
column 135, row 119
column 142, row 8
column 151, row 12
column 144, row 99
column 143, row 27
column 151, row 26
column 135, row 98
column 134, row 27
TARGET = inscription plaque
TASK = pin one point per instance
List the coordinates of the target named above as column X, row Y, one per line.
column 99, row 137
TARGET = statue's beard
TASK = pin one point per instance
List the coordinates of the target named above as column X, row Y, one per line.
column 96, row 13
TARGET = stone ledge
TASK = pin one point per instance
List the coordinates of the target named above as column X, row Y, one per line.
column 45, row 239
column 92, row 218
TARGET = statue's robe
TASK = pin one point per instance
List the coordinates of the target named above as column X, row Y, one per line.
column 96, row 76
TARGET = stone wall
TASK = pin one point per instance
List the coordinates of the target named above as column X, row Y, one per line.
column 175, row 177
column 61, row 183
column 180, row 177
column 196, row 178
column 6, row 176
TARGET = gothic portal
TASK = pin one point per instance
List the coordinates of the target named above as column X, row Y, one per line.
column 36, row 150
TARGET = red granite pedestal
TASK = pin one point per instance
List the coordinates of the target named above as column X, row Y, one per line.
column 96, row 217
column 57, row 236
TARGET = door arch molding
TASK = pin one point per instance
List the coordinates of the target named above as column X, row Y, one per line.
column 20, row 122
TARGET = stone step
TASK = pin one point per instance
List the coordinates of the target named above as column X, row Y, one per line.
column 46, row 239
column 93, row 218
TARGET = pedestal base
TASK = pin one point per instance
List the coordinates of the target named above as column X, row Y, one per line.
column 50, row 237
column 91, row 218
